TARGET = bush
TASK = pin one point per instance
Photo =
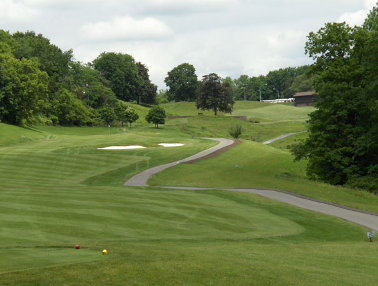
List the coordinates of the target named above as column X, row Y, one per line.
column 254, row 120
column 368, row 183
column 235, row 130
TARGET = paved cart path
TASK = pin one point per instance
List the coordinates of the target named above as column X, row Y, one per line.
column 366, row 219
column 278, row 138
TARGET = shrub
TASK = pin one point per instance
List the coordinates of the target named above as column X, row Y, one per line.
column 235, row 130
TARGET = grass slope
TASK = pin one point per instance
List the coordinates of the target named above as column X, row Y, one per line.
column 260, row 166
column 275, row 120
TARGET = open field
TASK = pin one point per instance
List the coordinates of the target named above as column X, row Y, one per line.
column 57, row 190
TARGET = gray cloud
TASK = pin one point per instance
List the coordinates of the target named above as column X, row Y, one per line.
column 229, row 37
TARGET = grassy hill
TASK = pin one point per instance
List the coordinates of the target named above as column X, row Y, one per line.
column 58, row 190
column 274, row 120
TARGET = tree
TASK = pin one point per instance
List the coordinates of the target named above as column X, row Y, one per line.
column 342, row 146
column 147, row 92
column 125, row 113
column 231, row 82
column 69, row 109
column 108, row 114
column 214, row 95
column 241, row 87
column 122, row 73
column 182, row 82
column 156, row 115
column 130, row 115
column 23, row 87
column 51, row 58
column 301, row 83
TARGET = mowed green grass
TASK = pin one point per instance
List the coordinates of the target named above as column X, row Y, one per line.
column 260, row 166
column 57, row 190
column 264, row 112
column 274, row 120
column 272, row 112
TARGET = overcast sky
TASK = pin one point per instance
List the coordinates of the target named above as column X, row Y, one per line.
column 228, row 37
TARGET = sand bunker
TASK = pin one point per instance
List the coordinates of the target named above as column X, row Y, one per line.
column 139, row 147
column 171, row 144
column 122, row 147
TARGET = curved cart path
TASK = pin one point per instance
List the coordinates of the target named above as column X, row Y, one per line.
column 278, row 138
column 140, row 180
column 366, row 219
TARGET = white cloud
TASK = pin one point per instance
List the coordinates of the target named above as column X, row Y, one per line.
column 228, row 37
column 357, row 18
column 11, row 11
column 127, row 28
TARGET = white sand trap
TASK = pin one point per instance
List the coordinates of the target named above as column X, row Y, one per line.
column 171, row 144
column 122, row 147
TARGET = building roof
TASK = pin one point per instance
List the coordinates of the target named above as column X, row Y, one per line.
column 307, row 93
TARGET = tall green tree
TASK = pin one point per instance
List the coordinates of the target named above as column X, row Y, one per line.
column 242, row 87
column 52, row 59
column 301, row 83
column 23, row 87
column 342, row 146
column 214, row 95
column 232, row 84
column 89, row 86
column 122, row 73
column 147, row 92
column 182, row 82
column 69, row 109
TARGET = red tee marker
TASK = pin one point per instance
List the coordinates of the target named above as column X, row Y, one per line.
column 77, row 246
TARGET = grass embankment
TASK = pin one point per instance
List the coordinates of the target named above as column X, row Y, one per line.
column 260, row 166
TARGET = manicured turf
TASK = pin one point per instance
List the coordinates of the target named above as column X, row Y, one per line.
column 57, row 190
column 260, row 166
column 268, row 112
column 264, row 112
column 274, row 120
column 171, row 237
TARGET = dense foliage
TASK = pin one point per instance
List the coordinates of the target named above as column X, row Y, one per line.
column 282, row 83
column 40, row 83
column 342, row 146
column 214, row 95
column 23, row 87
column 182, row 82
column 156, row 115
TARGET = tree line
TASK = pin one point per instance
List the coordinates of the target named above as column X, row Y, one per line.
column 342, row 147
column 39, row 83
column 182, row 83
